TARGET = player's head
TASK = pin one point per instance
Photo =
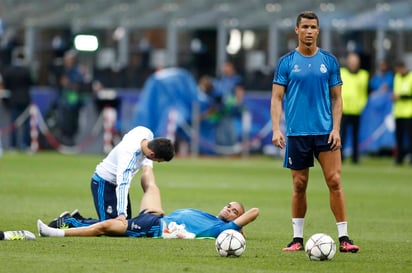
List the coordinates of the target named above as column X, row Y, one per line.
column 310, row 15
column 231, row 211
column 162, row 149
column 307, row 28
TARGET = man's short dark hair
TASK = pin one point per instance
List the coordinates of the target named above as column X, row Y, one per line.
column 307, row 15
column 163, row 148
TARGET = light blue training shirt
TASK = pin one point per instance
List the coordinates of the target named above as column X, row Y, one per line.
column 307, row 102
column 201, row 223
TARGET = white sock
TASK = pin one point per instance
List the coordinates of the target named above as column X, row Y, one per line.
column 56, row 232
column 342, row 229
column 45, row 230
column 298, row 227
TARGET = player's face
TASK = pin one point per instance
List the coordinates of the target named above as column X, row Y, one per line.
column 230, row 212
column 307, row 31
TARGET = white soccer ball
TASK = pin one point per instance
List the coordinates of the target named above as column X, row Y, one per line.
column 320, row 247
column 230, row 243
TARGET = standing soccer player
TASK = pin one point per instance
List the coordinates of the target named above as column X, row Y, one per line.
column 308, row 80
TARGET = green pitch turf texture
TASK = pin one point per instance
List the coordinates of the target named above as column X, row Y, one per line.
column 43, row 185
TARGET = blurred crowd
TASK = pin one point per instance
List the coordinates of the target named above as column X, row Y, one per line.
column 391, row 80
column 222, row 97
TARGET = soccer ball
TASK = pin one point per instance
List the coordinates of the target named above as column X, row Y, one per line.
column 320, row 247
column 230, row 243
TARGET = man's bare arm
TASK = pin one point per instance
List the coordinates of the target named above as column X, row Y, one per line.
column 247, row 217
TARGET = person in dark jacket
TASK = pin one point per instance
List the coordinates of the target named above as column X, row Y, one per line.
column 18, row 81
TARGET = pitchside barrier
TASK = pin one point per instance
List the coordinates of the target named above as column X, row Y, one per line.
column 105, row 125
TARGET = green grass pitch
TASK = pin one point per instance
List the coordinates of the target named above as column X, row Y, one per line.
column 41, row 186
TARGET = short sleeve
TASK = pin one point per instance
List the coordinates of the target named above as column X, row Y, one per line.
column 335, row 77
column 281, row 72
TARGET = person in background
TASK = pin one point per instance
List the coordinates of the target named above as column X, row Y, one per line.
column 355, row 96
column 378, row 110
column 230, row 90
column 2, row 97
column 402, row 112
column 69, row 101
column 206, row 117
column 209, row 103
column 307, row 82
column 18, row 81
column 382, row 80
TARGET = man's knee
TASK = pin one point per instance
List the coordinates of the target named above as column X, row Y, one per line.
column 300, row 181
column 334, row 181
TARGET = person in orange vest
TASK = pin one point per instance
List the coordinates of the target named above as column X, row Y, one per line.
column 402, row 111
column 354, row 96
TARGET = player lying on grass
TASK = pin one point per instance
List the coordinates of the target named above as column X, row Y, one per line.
column 151, row 221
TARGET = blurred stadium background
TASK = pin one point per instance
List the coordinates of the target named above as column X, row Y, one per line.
column 134, row 38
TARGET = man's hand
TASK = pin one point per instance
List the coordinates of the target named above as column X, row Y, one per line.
column 334, row 140
column 278, row 139
column 122, row 219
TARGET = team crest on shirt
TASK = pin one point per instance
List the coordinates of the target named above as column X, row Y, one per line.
column 323, row 68
column 296, row 68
